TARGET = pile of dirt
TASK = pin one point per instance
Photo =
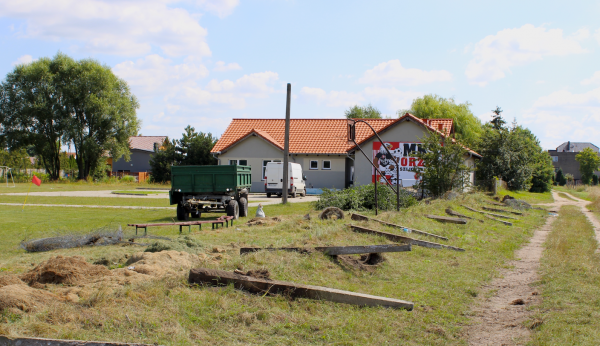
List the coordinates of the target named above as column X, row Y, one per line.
column 331, row 213
column 368, row 262
column 25, row 298
column 162, row 263
column 185, row 243
column 263, row 221
column 6, row 280
column 64, row 270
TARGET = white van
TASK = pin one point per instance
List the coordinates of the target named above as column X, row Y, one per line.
column 274, row 179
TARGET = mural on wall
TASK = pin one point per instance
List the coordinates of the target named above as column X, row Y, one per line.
column 401, row 156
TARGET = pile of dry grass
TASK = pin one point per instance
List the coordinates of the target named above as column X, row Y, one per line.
column 263, row 221
column 64, row 270
column 25, row 298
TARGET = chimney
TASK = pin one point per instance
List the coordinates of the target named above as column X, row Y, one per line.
column 569, row 146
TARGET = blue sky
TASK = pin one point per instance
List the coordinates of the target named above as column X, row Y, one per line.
column 204, row 62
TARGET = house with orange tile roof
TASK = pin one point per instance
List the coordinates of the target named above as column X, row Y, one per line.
column 142, row 147
column 321, row 147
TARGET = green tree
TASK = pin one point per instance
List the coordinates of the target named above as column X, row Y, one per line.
column 161, row 162
column 588, row 163
column 101, row 112
column 560, row 178
column 195, row 147
column 467, row 127
column 514, row 155
column 32, row 112
column 444, row 167
column 363, row 112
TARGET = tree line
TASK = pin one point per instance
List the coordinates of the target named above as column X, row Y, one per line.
column 61, row 101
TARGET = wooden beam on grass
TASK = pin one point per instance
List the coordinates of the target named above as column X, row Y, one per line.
column 294, row 290
column 24, row 341
column 502, row 210
column 492, row 214
column 502, row 221
column 449, row 211
column 358, row 217
column 404, row 239
column 447, row 219
column 337, row 250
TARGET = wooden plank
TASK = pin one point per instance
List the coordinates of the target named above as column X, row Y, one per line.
column 358, row 217
column 294, row 290
column 502, row 221
column 446, row 219
column 502, row 211
column 454, row 213
column 404, row 239
column 355, row 250
column 337, row 250
column 24, row 341
column 492, row 214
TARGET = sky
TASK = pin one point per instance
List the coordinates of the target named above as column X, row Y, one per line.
column 205, row 62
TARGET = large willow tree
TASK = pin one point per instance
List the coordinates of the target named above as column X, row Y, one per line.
column 61, row 100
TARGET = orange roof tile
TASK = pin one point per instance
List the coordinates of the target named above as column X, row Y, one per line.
column 317, row 136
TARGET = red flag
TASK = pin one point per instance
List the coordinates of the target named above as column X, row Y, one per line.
column 36, row 181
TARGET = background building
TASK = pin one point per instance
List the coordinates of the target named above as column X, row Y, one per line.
column 564, row 157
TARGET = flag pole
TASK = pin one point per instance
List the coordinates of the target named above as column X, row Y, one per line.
column 31, row 182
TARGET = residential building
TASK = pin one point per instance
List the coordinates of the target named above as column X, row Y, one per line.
column 321, row 147
column 564, row 157
column 142, row 147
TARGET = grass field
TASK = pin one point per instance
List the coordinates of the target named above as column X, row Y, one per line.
column 441, row 283
column 570, row 270
column 75, row 186
column 529, row 197
column 142, row 192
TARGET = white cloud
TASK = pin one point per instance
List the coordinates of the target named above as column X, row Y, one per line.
column 332, row 98
column 221, row 66
column 127, row 27
column 393, row 73
column 496, row 54
column 563, row 115
column 392, row 98
column 597, row 35
column 25, row 59
column 220, row 8
column 594, row 79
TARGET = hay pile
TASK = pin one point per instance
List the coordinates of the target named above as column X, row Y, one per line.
column 159, row 264
column 263, row 221
column 69, row 271
column 24, row 298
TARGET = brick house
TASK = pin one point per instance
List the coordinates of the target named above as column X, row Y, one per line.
column 564, row 157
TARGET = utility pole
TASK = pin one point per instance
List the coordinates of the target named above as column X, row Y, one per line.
column 286, row 147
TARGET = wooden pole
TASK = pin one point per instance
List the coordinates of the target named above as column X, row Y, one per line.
column 286, row 147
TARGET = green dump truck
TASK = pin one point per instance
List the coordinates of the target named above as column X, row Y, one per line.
column 205, row 189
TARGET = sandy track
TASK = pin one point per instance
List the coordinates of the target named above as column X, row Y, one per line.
column 496, row 320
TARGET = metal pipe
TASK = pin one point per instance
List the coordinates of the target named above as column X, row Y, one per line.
column 286, row 147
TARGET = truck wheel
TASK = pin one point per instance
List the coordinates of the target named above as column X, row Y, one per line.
column 233, row 209
column 243, row 207
column 294, row 194
column 196, row 214
column 303, row 193
column 268, row 195
column 182, row 214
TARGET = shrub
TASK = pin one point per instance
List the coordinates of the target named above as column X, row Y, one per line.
column 362, row 197
column 127, row 179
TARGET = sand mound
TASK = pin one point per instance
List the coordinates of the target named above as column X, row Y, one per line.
column 162, row 263
column 6, row 280
column 24, row 298
column 64, row 270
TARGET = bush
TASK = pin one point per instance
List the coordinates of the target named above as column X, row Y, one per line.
column 363, row 198
column 127, row 179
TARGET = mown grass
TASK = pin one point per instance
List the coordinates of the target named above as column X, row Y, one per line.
column 545, row 197
column 109, row 201
column 570, row 271
column 441, row 283
column 75, row 186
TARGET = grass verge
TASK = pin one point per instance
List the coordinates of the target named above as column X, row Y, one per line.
column 570, row 271
column 441, row 283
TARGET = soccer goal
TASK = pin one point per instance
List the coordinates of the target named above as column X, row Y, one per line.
column 5, row 171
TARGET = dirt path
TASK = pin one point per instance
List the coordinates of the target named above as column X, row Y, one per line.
column 498, row 320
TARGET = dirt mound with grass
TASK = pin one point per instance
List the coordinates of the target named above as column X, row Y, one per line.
column 64, row 270
column 163, row 263
column 263, row 221
column 331, row 213
column 6, row 280
column 25, row 298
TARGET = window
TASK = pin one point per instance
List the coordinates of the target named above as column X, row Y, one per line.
column 314, row 164
column 326, row 164
column 554, row 158
column 239, row 162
